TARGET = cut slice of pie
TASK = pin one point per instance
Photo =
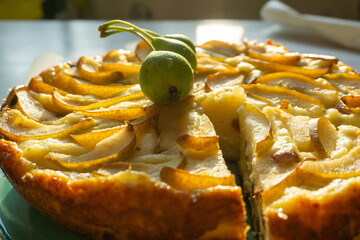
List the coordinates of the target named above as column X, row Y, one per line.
column 83, row 145
column 299, row 141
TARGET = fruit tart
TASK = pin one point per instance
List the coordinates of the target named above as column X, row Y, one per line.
column 127, row 146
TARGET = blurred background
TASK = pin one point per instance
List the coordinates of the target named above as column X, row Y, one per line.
column 166, row 9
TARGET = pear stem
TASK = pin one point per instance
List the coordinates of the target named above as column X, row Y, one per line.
column 118, row 29
column 121, row 22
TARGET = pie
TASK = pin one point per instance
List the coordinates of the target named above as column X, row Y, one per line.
column 82, row 144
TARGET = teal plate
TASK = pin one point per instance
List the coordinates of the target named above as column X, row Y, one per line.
column 19, row 220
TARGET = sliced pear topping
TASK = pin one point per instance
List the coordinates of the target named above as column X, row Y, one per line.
column 277, row 94
column 207, row 144
column 326, row 61
column 328, row 95
column 348, row 83
column 259, row 101
column 71, row 85
column 260, row 134
column 283, row 59
column 323, row 136
column 343, row 167
column 91, row 71
column 351, row 101
column 117, row 147
column 223, row 79
column 124, row 62
column 94, row 137
column 298, row 177
column 180, row 118
column 127, row 69
column 60, row 101
column 118, row 55
column 28, row 105
column 286, row 150
column 183, row 180
column 16, row 127
column 278, row 67
column 123, row 114
column 142, row 50
column 299, row 128
column 346, row 166
column 207, row 65
column 220, row 47
column 46, row 100
column 141, row 125
column 38, row 86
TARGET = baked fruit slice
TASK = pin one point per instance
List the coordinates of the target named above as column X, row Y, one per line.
column 82, row 144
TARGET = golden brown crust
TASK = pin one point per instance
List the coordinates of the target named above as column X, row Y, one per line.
column 332, row 217
column 111, row 208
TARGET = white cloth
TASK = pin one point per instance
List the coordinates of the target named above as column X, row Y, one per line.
column 341, row 31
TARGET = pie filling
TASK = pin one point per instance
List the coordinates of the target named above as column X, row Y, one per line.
column 290, row 120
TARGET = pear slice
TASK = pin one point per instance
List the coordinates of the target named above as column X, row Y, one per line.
column 299, row 128
column 316, row 174
column 91, row 71
column 328, row 95
column 38, row 86
column 258, row 101
column 71, row 85
column 118, row 55
column 223, row 79
column 351, row 101
column 180, row 119
column 208, row 65
column 278, row 67
column 123, row 114
column 142, row 50
column 125, row 62
column 183, row 180
column 207, row 144
column 289, row 59
column 285, row 151
column 23, row 101
column 16, row 127
column 117, row 147
column 344, row 167
column 127, row 69
column 94, row 137
column 260, row 134
column 220, row 47
column 323, row 136
column 60, row 102
column 46, row 100
column 277, row 94
column 347, row 83
column 184, row 121
column 298, row 178
column 326, row 61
